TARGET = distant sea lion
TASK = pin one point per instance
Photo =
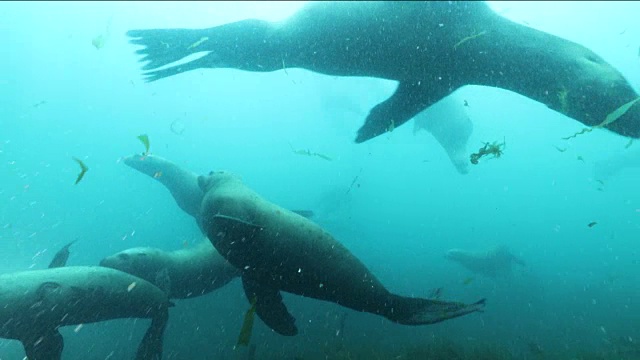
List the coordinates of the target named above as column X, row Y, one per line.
column 430, row 48
column 34, row 304
column 278, row 250
column 494, row 263
column 185, row 273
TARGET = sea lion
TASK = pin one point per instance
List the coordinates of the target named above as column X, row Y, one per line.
column 494, row 263
column 61, row 257
column 34, row 304
column 449, row 122
column 184, row 273
column 430, row 48
column 278, row 250
column 181, row 183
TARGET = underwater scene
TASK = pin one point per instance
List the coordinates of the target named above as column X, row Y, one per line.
column 320, row 180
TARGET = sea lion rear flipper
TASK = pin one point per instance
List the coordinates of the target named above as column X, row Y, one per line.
column 417, row 311
column 150, row 347
column 47, row 346
column 270, row 308
column 407, row 101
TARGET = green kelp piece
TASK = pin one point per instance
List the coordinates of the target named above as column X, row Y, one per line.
column 83, row 169
column 247, row 325
column 617, row 113
column 612, row 117
column 144, row 139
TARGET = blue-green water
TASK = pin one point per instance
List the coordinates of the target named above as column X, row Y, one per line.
column 61, row 97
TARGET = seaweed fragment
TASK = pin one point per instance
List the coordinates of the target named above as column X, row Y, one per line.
column 308, row 152
column 611, row 117
column 470, row 37
column 144, row 139
column 83, row 169
column 247, row 325
column 496, row 149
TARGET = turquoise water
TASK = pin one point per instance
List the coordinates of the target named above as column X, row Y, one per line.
column 396, row 201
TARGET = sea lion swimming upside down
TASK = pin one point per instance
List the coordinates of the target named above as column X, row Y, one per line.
column 430, row 48
column 278, row 250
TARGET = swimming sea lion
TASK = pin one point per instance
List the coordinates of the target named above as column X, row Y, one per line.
column 494, row 263
column 278, row 250
column 34, row 304
column 430, row 48
column 184, row 273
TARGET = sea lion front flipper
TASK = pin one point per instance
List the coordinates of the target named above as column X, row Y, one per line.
column 150, row 347
column 270, row 308
column 407, row 101
column 47, row 346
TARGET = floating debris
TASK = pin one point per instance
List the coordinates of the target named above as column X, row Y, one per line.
column 308, row 152
column 247, row 325
column 198, row 43
column 613, row 116
column 37, row 105
column 100, row 40
column 494, row 149
column 592, row 224
column 177, row 127
column 144, row 139
column 471, row 37
column 560, row 149
column 83, row 170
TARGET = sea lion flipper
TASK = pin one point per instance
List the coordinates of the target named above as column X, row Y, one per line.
column 47, row 346
column 164, row 46
column 150, row 347
column 270, row 308
column 417, row 311
column 407, row 101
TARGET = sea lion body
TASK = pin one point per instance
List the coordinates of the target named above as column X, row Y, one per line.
column 430, row 48
column 191, row 272
column 278, row 250
column 34, row 304
column 494, row 263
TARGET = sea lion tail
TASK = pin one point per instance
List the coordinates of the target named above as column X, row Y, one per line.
column 418, row 311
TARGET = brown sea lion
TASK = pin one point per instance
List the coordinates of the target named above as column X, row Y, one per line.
column 431, row 48
column 278, row 250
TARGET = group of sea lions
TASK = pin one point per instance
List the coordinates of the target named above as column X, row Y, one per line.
column 430, row 48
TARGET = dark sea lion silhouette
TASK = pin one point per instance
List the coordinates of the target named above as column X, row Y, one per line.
column 35, row 304
column 430, row 48
column 493, row 263
column 278, row 250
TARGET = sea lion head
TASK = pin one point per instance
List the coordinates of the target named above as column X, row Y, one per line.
column 215, row 178
column 141, row 262
column 455, row 254
column 593, row 90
